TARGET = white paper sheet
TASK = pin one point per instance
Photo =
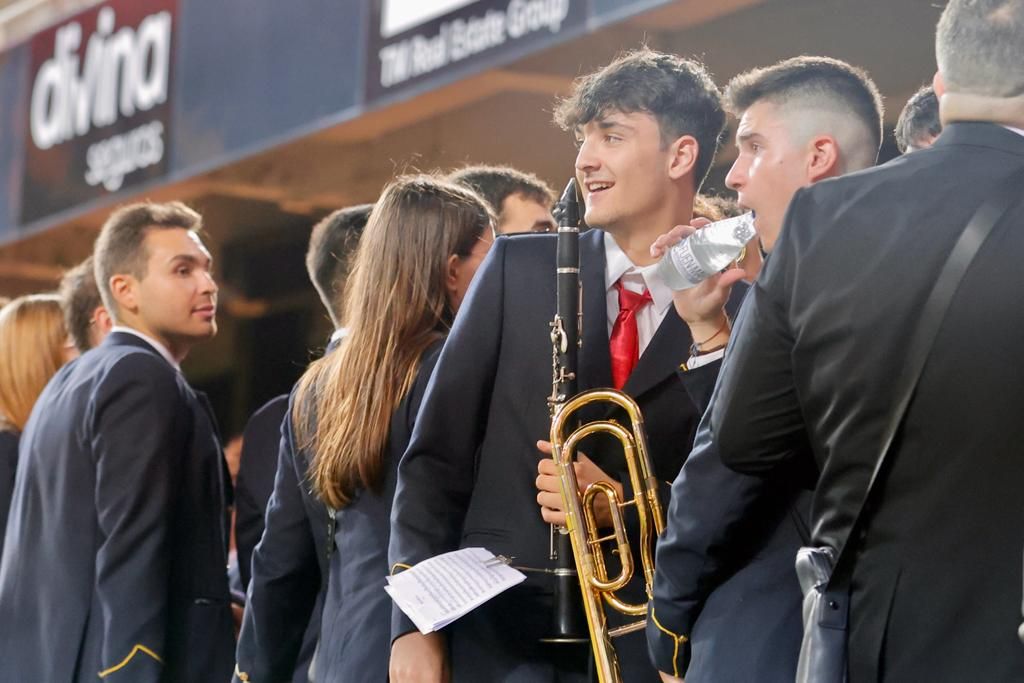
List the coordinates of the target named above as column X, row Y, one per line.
column 438, row 591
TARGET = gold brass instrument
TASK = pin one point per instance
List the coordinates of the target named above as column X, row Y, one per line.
column 581, row 520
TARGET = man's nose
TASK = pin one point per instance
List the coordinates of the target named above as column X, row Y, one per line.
column 586, row 161
column 736, row 177
column 209, row 285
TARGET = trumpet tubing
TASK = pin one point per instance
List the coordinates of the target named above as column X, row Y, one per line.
column 597, row 587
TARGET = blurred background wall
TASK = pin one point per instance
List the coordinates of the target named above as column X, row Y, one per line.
column 266, row 115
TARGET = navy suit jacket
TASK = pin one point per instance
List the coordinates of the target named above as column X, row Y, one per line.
column 8, row 466
column 725, row 580
column 809, row 381
column 312, row 566
column 257, row 472
column 468, row 477
column 118, row 521
column 261, row 442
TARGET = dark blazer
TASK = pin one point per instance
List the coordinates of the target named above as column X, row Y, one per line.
column 261, row 444
column 303, row 542
column 936, row 577
column 468, row 478
column 8, row 465
column 261, row 441
column 118, row 518
column 724, row 578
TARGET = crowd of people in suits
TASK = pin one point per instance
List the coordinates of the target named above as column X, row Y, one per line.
column 767, row 391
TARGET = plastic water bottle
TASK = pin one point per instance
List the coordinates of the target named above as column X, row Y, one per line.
column 706, row 252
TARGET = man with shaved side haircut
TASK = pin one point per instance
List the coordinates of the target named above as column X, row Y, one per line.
column 280, row 610
column 726, row 599
column 930, row 567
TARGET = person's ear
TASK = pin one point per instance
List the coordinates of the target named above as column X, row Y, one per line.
column 683, row 159
column 451, row 280
column 939, row 84
column 125, row 291
column 822, row 158
column 103, row 320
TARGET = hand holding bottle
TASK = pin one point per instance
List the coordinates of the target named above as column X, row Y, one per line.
column 702, row 307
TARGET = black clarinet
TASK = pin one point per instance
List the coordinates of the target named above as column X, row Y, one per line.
column 569, row 621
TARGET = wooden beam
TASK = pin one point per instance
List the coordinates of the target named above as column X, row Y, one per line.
column 32, row 272
column 684, row 14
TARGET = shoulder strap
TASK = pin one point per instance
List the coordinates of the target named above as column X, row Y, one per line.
column 1007, row 194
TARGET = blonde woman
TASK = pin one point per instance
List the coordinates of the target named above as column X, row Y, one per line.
column 351, row 417
column 33, row 346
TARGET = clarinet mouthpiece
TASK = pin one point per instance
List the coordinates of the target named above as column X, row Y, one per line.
column 568, row 207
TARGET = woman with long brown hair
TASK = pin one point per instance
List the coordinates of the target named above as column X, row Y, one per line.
column 350, row 420
column 33, row 346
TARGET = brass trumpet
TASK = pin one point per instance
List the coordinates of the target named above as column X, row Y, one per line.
column 581, row 520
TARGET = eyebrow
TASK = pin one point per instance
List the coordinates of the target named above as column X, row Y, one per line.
column 746, row 137
column 190, row 258
column 605, row 124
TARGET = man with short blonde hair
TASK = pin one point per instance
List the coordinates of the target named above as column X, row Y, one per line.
column 115, row 563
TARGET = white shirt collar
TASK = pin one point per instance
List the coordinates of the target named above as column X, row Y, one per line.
column 617, row 264
column 339, row 334
column 160, row 348
column 1018, row 131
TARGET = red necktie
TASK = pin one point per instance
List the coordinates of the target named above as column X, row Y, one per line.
column 624, row 344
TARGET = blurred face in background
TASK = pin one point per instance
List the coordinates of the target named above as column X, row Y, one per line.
column 461, row 269
column 32, row 349
column 522, row 214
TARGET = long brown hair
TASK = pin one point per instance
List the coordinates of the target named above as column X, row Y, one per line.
column 32, row 338
column 396, row 306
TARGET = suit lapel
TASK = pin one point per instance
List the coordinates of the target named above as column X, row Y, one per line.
column 594, row 359
column 204, row 402
column 669, row 347
column 225, row 485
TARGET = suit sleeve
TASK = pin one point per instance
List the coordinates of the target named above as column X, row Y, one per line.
column 140, row 426
column 681, row 558
column 285, row 577
column 257, row 470
column 436, row 474
column 756, row 419
column 699, row 383
column 713, row 526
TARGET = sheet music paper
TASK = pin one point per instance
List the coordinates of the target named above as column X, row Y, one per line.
column 438, row 591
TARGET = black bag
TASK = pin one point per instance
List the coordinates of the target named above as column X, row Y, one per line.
column 823, row 571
